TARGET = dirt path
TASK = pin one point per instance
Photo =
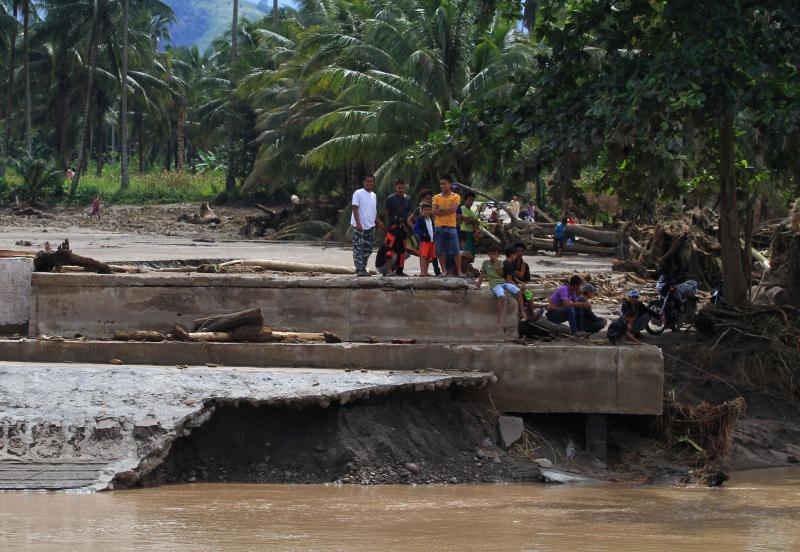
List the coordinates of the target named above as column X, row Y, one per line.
column 152, row 233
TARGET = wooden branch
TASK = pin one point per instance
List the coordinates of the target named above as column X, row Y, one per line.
column 265, row 210
column 249, row 334
column 603, row 237
column 153, row 337
column 48, row 260
column 542, row 244
column 252, row 334
column 287, row 266
column 226, row 322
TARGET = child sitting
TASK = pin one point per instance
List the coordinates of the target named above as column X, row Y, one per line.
column 423, row 229
column 622, row 328
column 500, row 277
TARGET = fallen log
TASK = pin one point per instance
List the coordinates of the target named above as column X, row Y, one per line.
column 630, row 266
column 603, row 237
column 265, row 210
column 149, row 336
column 48, row 260
column 252, row 334
column 226, row 322
column 5, row 253
column 205, row 215
column 323, row 337
column 287, row 266
column 249, row 334
column 542, row 244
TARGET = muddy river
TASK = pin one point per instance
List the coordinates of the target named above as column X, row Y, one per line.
column 758, row 510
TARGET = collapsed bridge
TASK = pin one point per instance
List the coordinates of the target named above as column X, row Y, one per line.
column 73, row 417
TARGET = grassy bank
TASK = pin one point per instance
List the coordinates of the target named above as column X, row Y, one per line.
column 151, row 187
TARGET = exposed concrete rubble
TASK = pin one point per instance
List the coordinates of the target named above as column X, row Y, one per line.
column 68, row 426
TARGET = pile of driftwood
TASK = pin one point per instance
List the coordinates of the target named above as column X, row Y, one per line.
column 302, row 220
column 781, row 283
column 204, row 215
column 705, row 429
column 687, row 246
column 238, row 327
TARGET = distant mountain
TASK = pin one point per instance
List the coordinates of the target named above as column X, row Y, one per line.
column 201, row 21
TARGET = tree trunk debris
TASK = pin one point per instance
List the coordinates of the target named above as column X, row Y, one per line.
column 204, row 215
column 48, row 260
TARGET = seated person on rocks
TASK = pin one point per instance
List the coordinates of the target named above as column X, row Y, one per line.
column 622, row 328
column 500, row 281
column 522, row 276
column 643, row 314
column 564, row 305
column 590, row 322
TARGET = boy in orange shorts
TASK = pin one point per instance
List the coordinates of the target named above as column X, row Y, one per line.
column 423, row 228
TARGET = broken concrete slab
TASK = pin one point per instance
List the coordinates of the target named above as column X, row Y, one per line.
column 79, row 426
column 510, row 429
column 603, row 379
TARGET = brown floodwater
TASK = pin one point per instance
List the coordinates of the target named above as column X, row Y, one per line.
column 758, row 510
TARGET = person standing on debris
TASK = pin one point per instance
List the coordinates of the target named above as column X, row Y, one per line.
column 514, row 206
column 500, row 281
column 564, row 305
column 363, row 220
column 397, row 208
column 531, row 213
column 643, row 315
column 560, row 236
column 95, row 207
column 590, row 322
column 445, row 235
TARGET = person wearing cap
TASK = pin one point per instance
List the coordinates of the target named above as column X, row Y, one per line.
column 634, row 304
column 590, row 322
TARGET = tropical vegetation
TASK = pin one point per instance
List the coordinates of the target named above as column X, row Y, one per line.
column 651, row 100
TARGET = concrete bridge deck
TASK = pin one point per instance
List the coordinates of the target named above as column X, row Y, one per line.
column 548, row 378
column 84, row 426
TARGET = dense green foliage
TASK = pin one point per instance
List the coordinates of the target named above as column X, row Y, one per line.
column 652, row 100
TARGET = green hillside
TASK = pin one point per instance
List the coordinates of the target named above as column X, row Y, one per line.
column 200, row 21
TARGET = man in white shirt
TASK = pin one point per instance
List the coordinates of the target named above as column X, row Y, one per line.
column 363, row 220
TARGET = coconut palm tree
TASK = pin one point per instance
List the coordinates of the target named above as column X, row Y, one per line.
column 396, row 81
column 26, row 62
column 9, row 28
column 123, row 93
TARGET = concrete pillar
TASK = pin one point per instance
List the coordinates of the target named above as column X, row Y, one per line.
column 15, row 294
column 597, row 436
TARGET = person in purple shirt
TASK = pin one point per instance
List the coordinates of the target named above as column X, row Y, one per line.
column 565, row 306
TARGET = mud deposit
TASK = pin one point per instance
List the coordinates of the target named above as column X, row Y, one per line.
column 405, row 438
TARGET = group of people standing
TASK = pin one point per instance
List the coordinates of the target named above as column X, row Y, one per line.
column 442, row 231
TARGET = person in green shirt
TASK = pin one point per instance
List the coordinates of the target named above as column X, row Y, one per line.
column 470, row 225
column 500, row 276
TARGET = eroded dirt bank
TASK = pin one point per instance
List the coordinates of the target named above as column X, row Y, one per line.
column 402, row 438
